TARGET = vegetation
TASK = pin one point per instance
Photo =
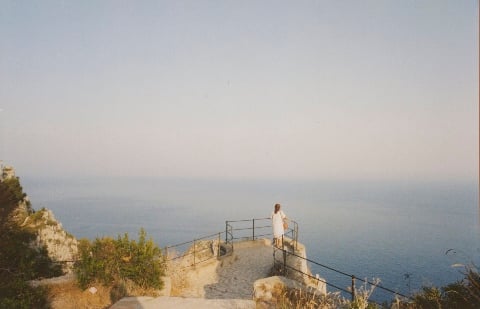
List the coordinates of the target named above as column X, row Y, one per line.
column 298, row 299
column 18, row 261
column 116, row 261
column 36, row 220
column 15, row 189
column 464, row 294
column 124, row 265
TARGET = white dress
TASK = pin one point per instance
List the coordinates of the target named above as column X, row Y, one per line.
column 277, row 223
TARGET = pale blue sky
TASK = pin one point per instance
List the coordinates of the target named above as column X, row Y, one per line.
column 240, row 89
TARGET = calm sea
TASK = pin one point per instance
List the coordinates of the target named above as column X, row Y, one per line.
column 406, row 234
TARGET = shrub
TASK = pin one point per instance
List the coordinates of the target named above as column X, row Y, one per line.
column 309, row 298
column 110, row 261
column 17, row 293
column 18, row 261
column 13, row 185
column 464, row 294
column 429, row 298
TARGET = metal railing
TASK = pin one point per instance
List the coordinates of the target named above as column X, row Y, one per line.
column 203, row 249
column 196, row 251
column 252, row 229
column 351, row 291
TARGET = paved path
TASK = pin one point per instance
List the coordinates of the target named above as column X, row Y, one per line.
column 227, row 283
column 250, row 261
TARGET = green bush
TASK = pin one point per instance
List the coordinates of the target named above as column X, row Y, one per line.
column 18, row 261
column 17, row 293
column 13, row 185
column 112, row 260
column 429, row 298
column 464, row 294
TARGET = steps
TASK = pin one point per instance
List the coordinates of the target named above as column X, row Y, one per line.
column 182, row 303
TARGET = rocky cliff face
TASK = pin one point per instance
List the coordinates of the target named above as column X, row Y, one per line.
column 61, row 246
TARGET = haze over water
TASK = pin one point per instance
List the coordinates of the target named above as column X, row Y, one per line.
column 383, row 230
column 360, row 117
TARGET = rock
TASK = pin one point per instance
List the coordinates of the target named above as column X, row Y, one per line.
column 6, row 172
column 60, row 245
column 267, row 289
column 298, row 261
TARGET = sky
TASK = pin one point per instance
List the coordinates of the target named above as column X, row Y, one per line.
column 241, row 89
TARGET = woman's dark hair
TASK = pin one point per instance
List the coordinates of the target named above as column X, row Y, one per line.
column 277, row 207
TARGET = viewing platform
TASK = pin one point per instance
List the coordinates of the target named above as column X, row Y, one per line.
column 240, row 268
column 226, row 272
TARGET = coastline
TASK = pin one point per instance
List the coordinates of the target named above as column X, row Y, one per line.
column 388, row 229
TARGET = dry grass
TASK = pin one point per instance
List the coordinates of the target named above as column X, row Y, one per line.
column 70, row 296
column 301, row 299
column 283, row 297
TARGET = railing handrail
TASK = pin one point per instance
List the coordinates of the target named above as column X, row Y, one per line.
column 193, row 240
column 217, row 236
column 246, row 220
column 229, row 231
column 353, row 277
column 293, row 231
column 230, row 237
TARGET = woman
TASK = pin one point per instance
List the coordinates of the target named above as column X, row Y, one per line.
column 278, row 217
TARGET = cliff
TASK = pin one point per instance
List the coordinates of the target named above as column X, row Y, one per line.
column 61, row 246
column 47, row 232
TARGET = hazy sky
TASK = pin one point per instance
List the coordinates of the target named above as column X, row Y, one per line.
column 240, row 89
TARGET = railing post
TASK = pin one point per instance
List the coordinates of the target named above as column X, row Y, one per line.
column 296, row 236
column 226, row 232
column 353, row 288
column 284, row 258
column 165, row 256
column 253, row 229
column 218, row 245
column 194, row 250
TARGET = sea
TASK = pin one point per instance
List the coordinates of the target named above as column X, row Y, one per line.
column 406, row 234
